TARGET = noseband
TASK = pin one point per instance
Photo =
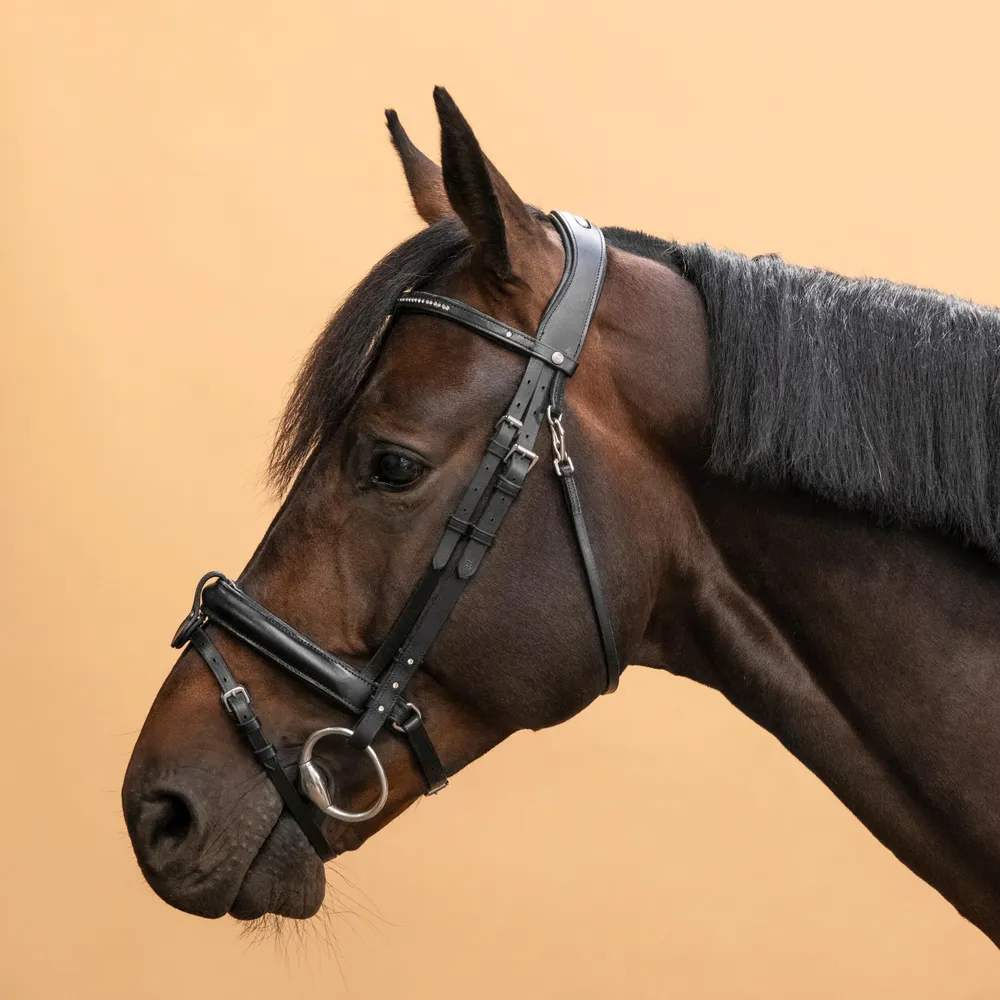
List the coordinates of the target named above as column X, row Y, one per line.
column 377, row 695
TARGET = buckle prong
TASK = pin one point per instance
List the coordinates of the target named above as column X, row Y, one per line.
column 508, row 419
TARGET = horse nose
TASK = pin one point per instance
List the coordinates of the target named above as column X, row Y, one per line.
column 163, row 820
column 166, row 819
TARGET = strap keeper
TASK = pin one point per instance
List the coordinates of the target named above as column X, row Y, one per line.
column 483, row 537
column 267, row 756
column 508, row 487
column 567, row 366
column 414, row 719
column 455, row 523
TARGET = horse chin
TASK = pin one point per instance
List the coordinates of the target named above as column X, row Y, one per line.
column 286, row 877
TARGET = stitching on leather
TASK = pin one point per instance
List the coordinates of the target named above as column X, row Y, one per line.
column 466, row 315
column 295, row 636
column 564, row 281
column 595, row 291
column 571, row 274
column 501, row 329
column 311, row 681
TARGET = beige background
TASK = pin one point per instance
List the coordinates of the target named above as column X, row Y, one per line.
column 188, row 189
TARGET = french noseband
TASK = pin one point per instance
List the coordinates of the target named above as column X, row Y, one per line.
column 377, row 695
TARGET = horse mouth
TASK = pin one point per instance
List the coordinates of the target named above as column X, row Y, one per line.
column 285, row 877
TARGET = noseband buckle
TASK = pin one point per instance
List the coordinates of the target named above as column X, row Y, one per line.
column 227, row 697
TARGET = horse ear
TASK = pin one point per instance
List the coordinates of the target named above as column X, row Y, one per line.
column 502, row 228
column 423, row 175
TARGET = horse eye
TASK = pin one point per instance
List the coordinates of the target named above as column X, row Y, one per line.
column 394, row 470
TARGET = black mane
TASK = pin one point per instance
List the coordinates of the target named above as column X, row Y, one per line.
column 876, row 396
column 337, row 364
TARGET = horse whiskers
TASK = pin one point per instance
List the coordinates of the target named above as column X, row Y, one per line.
column 284, row 932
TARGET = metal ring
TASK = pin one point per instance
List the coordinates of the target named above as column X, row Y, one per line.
column 314, row 787
column 196, row 616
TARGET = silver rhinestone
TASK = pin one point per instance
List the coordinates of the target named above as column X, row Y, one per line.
column 557, row 357
column 381, row 708
column 395, row 685
column 409, row 663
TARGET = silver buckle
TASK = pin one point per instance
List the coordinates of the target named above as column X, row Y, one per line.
column 519, row 449
column 232, row 692
column 508, row 419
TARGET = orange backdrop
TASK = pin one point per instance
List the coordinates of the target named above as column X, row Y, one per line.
column 188, row 189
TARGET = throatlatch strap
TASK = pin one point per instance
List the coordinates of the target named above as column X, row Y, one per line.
column 604, row 626
column 237, row 702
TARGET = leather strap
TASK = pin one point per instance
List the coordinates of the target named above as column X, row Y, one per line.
column 567, row 317
column 237, row 702
column 226, row 605
column 513, row 339
column 223, row 602
column 415, row 731
column 612, row 663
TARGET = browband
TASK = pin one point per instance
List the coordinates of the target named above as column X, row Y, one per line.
column 493, row 329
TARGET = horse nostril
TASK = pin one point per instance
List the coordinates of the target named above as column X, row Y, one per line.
column 168, row 821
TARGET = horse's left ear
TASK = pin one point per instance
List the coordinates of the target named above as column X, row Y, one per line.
column 503, row 230
column 423, row 175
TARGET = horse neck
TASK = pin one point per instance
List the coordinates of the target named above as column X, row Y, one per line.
column 866, row 651
column 832, row 633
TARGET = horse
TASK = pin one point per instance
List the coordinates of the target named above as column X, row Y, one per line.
column 788, row 490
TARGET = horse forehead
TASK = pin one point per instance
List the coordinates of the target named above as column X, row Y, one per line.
column 429, row 363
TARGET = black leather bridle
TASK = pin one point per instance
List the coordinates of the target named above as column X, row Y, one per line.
column 377, row 695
